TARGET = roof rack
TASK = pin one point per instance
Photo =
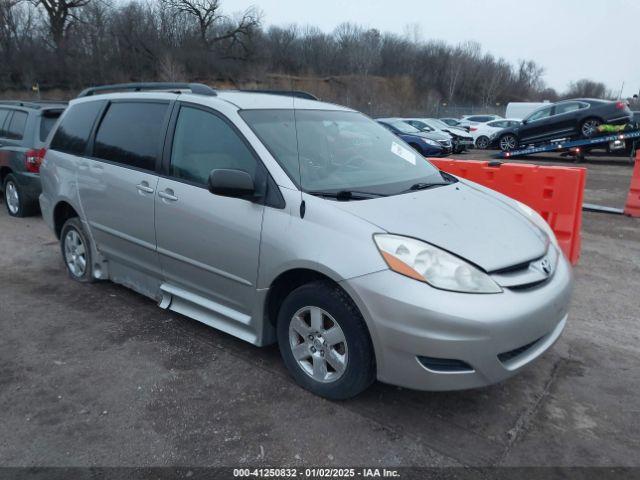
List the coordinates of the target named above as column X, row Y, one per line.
column 197, row 88
column 33, row 103
column 285, row 93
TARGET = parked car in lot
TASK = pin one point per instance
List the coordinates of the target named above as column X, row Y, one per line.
column 567, row 119
column 460, row 139
column 452, row 122
column 24, row 127
column 308, row 224
column 485, row 134
column 429, row 144
column 469, row 121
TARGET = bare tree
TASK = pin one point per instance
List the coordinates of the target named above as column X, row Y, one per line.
column 193, row 40
column 8, row 25
column 586, row 88
column 61, row 14
column 208, row 16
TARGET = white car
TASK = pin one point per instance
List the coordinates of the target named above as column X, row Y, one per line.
column 484, row 133
column 468, row 121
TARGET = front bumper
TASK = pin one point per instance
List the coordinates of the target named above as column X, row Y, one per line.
column 463, row 143
column 409, row 319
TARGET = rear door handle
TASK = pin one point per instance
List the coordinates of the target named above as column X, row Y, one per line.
column 168, row 195
column 144, row 187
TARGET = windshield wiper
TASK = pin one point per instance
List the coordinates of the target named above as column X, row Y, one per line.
column 424, row 186
column 346, row 195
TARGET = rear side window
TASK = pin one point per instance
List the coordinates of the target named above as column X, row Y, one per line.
column 47, row 121
column 567, row 107
column 540, row 114
column 17, row 125
column 204, row 142
column 3, row 116
column 131, row 133
column 73, row 132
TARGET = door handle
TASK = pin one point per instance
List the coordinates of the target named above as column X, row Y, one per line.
column 144, row 187
column 168, row 195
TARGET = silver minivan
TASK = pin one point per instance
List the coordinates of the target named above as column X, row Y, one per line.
column 285, row 219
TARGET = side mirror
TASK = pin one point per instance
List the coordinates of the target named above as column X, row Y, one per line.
column 525, row 121
column 232, row 183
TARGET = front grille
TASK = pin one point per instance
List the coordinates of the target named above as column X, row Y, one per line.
column 445, row 364
column 516, row 352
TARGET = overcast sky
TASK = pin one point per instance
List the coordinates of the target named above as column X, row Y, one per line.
column 571, row 39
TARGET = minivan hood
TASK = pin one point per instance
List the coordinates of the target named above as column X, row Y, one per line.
column 472, row 224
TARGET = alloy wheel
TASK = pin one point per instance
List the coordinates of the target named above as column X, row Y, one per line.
column 508, row 142
column 318, row 344
column 482, row 142
column 589, row 127
column 75, row 253
column 12, row 197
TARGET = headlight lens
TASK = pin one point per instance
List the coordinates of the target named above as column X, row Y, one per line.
column 428, row 141
column 538, row 221
column 426, row 263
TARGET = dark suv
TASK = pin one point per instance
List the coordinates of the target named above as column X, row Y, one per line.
column 24, row 127
column 567, row 119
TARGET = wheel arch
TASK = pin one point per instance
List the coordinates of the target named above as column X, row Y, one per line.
column 4, row 171
column 62, row 212
column 285, row 283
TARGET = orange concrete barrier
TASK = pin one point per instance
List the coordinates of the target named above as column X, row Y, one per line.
column 632, row 207
column 556, row 193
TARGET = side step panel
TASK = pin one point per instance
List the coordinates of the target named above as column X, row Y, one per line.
column 208, row 312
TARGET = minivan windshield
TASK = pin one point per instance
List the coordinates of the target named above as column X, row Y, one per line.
column 337, row 151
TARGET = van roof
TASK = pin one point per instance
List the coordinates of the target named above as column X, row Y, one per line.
column 203, row 94
column 241, row 100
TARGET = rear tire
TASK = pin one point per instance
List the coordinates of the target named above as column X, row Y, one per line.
column 508, row 142
column 482, row 142
column 324, row 341
column 15, row 200
column 76, row 251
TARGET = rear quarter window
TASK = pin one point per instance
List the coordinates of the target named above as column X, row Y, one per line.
column 75, row 127
column 17, row 125
column 3, row 117
column 131, row 133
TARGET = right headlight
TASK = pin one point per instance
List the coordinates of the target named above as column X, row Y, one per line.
column 426, row 263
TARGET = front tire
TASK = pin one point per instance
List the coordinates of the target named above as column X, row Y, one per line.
column 76, row 251
column 324, row 341
column 508, row 142
column 14, row 199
